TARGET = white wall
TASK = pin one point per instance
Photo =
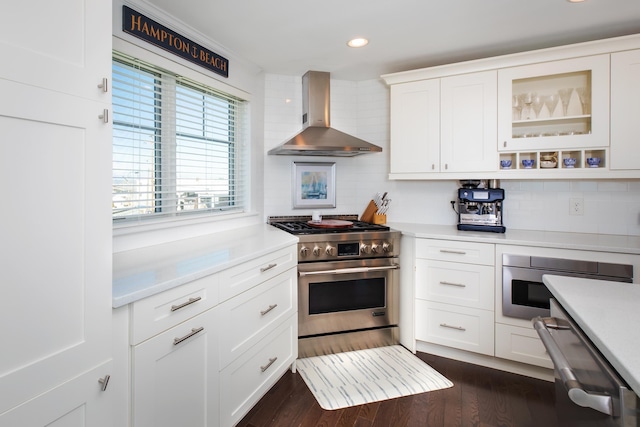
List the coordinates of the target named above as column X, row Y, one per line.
column 362, row 109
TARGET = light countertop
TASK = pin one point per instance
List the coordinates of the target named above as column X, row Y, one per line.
column 144, row 272
column 608, row 313
column 545, row 239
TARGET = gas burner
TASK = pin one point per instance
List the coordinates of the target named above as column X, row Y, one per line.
column 299, row 225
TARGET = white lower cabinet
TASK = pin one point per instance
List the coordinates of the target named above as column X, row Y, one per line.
column 79, row 402
column 202, row 354
column 454, row 292
column 175, row 375
column 255, row 371
column 454, row 326
column 522, row 345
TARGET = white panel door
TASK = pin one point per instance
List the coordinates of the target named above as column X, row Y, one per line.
column 63, row 45
column 625, row 93
column 415, row 127
column 80, row 402
column 56, row 240
column 55, row 181
column 468, row 133
column 175, row 376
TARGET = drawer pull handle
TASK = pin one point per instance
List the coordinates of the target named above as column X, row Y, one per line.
column 271, row 307
column 194, row 331
column 459, row 328
column 184, row 304
column 271, row 362
column 448, row 251
column 268, row 267
column 460, row 285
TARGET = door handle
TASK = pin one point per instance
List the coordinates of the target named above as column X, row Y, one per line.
column 575, row 391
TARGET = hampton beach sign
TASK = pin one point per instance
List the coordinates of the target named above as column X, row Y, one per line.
column 157, row 34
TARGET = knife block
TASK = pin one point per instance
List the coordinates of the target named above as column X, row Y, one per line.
column 369, row 212
column 379, row 219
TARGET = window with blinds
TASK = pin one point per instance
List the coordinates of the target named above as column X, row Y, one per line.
column 177, row 145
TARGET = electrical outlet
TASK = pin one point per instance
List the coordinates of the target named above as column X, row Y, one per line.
column 576, row 207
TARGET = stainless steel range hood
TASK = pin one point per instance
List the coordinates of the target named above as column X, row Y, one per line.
column 316, row 137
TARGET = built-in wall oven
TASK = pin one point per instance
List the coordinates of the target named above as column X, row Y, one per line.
column 524, row 295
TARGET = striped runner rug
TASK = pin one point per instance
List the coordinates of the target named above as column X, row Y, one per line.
column 364, row 376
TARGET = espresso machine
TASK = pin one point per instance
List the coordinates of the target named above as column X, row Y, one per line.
column 480, row 209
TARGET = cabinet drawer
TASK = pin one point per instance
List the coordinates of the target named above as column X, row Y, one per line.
column 521, row 345
column 251, row 375
column 451, row 250
column 468, row 285
column 252, row 314
column 238, row 279
column 162, row 311
column 459, row 327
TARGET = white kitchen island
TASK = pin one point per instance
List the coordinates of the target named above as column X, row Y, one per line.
column 608, row 313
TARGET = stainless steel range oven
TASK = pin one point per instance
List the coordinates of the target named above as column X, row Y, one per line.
column 524, row 295
column 348, row 284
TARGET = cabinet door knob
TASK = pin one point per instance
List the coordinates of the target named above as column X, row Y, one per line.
column 104, row 382
column 505, row 144
column 104, row 85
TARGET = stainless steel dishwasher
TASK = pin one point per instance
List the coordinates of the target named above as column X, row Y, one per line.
column 589, row 392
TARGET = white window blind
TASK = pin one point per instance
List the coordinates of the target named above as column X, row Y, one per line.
column 177, row 145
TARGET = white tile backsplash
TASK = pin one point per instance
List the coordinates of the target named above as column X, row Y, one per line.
column 362, row 109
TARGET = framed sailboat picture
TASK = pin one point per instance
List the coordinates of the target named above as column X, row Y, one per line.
column 314, row 185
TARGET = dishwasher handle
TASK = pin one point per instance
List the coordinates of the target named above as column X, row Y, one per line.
column 578, row 395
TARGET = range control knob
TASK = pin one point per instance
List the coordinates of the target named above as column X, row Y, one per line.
column 386, row 247
column 331, row 250
column 364, row 248
column 375, row 248
column 316, row 251
column 304, row 251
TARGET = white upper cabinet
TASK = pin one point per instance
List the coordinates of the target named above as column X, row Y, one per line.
column 554, row 105
column 61, row 45
column 625, row 95
column 444, row 125
column 553, row 113
column 468, row 116
column 415, row 127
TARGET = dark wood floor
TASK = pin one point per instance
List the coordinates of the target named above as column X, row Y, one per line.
column 480, row 397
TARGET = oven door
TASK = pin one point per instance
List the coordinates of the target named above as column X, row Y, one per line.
column 342, row 296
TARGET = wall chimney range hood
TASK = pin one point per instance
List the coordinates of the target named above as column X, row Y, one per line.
column 317, row 138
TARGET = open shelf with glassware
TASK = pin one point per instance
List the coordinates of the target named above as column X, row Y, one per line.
column 565, row 160
column 554, row 106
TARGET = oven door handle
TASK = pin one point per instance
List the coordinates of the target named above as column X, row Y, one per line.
column 349, row 270
column 579, row 396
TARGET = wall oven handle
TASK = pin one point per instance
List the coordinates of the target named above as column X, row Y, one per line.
column 576, row 393
column 349, row 270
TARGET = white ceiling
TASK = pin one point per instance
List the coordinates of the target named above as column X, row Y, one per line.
column 293, row 36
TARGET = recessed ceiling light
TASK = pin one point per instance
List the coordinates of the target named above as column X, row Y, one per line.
column 359, row 42
column 575, row 1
